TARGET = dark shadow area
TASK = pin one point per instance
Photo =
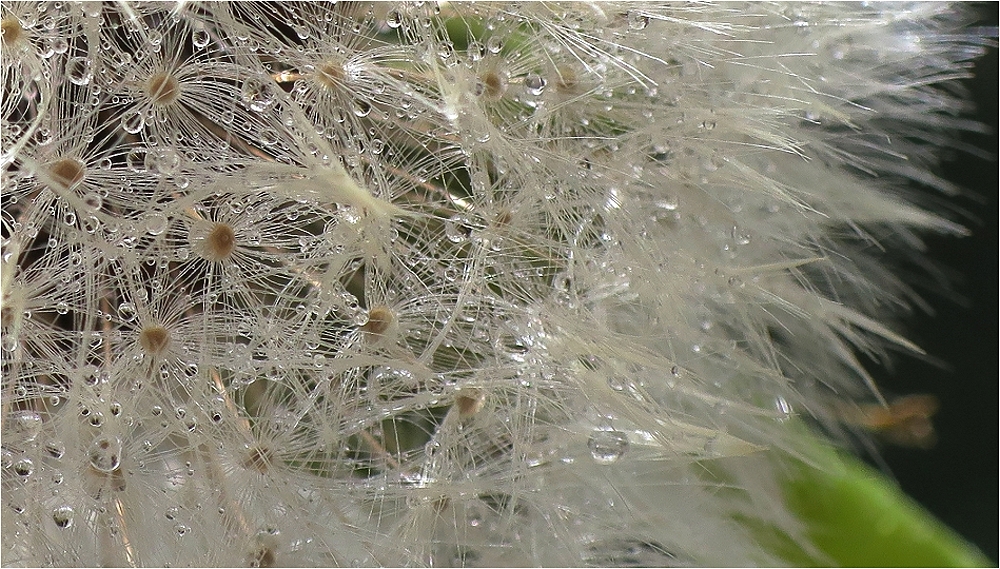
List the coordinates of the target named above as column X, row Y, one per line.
column 957, row 479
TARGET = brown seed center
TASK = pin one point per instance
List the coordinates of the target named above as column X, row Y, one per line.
column 163, row 88
column 379, row 320
column 494, row 84
column 67, row 172
column 154, row 339
column 258, row 458
column 12, row 31
column 220, row 242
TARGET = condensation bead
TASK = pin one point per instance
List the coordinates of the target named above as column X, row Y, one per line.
column 63, row 517
column 534, row 84
column 106, row 453
column 79, row 70
column 200, row 38
column 24, row 426
column 24, row 467
column 607, row 447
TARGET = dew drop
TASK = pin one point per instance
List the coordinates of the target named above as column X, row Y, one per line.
column 133, row 122
column 534, row 84
column 200, row 38
column 607, row 447
column 24, row 467
column 106, row 454
column 257, row 96
column 55, row 449
column 24, row 426
column 78, row 70
column 394, row 19
column 126, row 311
column 456, row 228
column 637, row 21
column 63, row 517
column 156, row 223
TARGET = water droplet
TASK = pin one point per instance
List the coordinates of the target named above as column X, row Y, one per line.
column 162, row 160
column 607, row 446
column 55, row 449
column 534, row 84
column 257, row 95
column 394, row 19
column 106, row 454
column 63, row 517
column 25, row 426
column 126, row 311
column 156, row 223
column 637, row 20
column 78, row 70
column 200, row 38
column 181, row 530
column 494, row 44
column 24, row 467
column 456, row 228
column 133, row 122
column 784, row 409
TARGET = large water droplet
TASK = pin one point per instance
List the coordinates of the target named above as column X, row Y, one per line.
column 534, row 84
column 24, row 467
column 133, row 122
column 63, row 517
column 200, row 38
column 78, row 70
column 106, row 454
column 607, row 446
column 126, row 311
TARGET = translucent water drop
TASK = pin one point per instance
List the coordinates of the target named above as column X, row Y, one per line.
column 181, row 530
column 200, row 38
column 162, row 160
column 63, row 517
column 607, row 447
column 637, row 21
column 534, row 84
column 494, row 44
column 79, row 71
column 456, row 228
column 156, row 223
column 55, row 449
column 24, row 467
column 257, row 96
column 126, row 311
column 394, row 19
column 133, row 122
column 24, row 426
column 106, row 454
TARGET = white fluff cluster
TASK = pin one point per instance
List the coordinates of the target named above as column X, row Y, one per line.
column 446, row 284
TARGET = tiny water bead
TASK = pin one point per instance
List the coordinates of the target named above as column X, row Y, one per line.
column 534, row 84
column 607, row 447
column 106, row 454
